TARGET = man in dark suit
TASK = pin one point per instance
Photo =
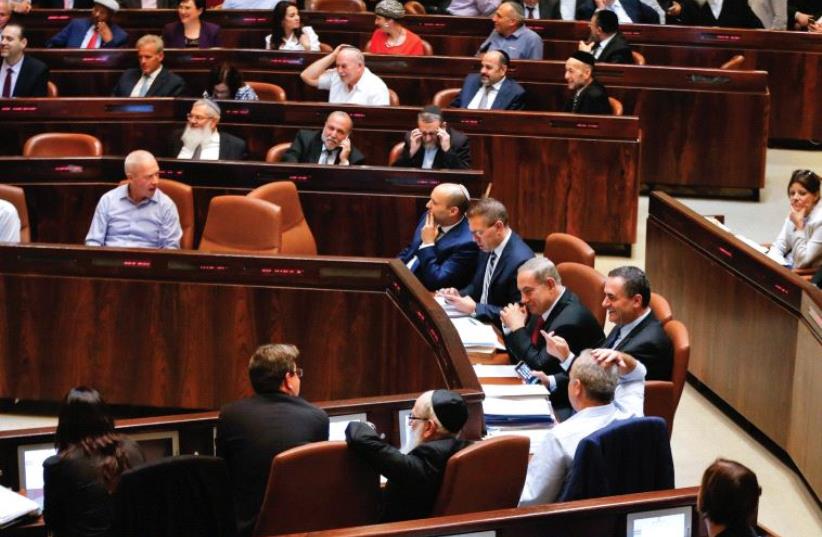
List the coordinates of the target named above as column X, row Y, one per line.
column 627, row 10
column 151, row 79
column 96, row 31
column 490, row 89
column 502, row 252
column 434, row 145
column 729, row 14
column 541, row 9
column 555, row 311
column 60, row 4
column 331, row 146
column 202, row 141
column 251, row 432
column 607, row 44
column 442, row 252
column 20, row 75
column 589, row 95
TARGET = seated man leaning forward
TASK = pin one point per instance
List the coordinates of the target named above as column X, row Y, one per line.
column 331, row 146
column 350, row 82
column 137, row 214
column 433, row 144
column 202, row 141
column 414, row 479
column 605, row 386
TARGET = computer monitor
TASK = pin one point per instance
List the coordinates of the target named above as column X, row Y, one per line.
column 674, row 522
column 336, row 429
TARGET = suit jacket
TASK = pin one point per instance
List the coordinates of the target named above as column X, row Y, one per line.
column 33, row 78
column 649, row 344
column 167, row 84
column 251, row 432
column 308, row 145
column 174, row 35
column 734, row 14
column 451, row 262
column 73, row 33
column 639, row 12
column 592, row 100
column 414, row 479
column 503, row 287
column 616, row 51
column 58, row 4
column 138, row 4
column 458, row 157
column 548, row 9
column 511, row 95
column 231, row 147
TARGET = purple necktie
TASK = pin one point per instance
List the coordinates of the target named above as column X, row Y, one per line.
column 7, row 83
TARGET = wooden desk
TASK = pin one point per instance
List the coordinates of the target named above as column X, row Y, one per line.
column 756, row 328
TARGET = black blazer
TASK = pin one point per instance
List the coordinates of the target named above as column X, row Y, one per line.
column 616, row 51
column 649, row 344
column 548, row 9
column 639, row 12
column 734, row 14
column 251, row 432
column 592, row 100
column 231, row 147
column 58, row 4
column 458, row 157
column 308, row 145
column 32, row 80
column 167, row 84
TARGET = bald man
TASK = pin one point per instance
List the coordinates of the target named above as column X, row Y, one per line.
column 350, row 81
column 330, row 146
column 442, row 252
column 589, row 95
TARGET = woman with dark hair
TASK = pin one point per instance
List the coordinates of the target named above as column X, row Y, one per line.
column 190, row 31
column 287, row 32
column 391, row 37
column 800, row 241
column 79, row 480
column 728, row 499
column 226, row 82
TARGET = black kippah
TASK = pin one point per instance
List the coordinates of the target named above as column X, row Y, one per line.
column 584, row 57
column 450, row 409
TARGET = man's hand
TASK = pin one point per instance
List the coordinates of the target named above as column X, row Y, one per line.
column 444, row 138
column 603, row 4
column 337, row 50
column 675, row 10
column 463, row 304
column 429, row 230
column 607, row 357
column 586, row 47
column 415, row 142
column 345, row 152
column 513, row 316
column 448, row 291
column 105, row 31
column 803, row 19
column 543, row 378
column 815, row 27
column 556, row 346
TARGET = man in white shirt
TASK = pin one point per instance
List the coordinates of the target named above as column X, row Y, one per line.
column 202, row 141
column 350, row 82
column 9, row 223
column 605, row 386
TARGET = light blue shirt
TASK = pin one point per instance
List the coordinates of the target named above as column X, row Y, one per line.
column 250, row 4
column 118, row 221
column 523, row 44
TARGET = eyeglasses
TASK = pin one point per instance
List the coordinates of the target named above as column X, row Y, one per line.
column 411, row 419
column 299, row 372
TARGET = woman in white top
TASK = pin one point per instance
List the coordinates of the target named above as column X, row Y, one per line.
column 800, row 241
column 287, row 32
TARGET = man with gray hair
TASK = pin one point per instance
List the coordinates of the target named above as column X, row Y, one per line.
column 202, row 141
column 434, row 145
column 330, row 146
column 605, row 386
column 150, row 79
column 547, row 310
column 350, row 82
column 511, row 35
column 414, row 478
column 136, row 214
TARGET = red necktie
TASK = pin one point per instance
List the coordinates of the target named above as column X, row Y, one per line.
column 7, row 83
column 537, row 327
column 91, row 42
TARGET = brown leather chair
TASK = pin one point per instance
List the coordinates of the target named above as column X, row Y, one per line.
column 734, row 63
column 427, row 49
column 393, row 98
column 616, row 106
column 587, row 284
column 62, row 144
column 325, row 47
column 396, row 153
column 639, row 59
column 413, row 7
column 367, row 47
column 318, row 486
column 662, row 397
column 562, row 248
column 268, row 92
column 17, row 197
column 297, row 238
column 343, row 6
column 487, row 475
column 51, row 89
column 444, row 98
column 238, row 224
column 183, row 197
column 661, row 308
column 276, row 152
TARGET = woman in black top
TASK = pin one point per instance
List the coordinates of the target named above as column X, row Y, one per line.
column 90, row 457
column 728, row 499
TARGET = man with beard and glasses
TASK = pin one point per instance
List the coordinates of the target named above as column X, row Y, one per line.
column 434, row 145
column 329, row 146
column 202, row 141
column 414, row 479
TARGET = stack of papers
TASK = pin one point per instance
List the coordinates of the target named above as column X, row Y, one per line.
column 450, row 310
column 14, row 507
column 476, row 336
column 495, row 371
column 521, row 410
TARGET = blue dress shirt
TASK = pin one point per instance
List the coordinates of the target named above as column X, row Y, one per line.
column 523, row 44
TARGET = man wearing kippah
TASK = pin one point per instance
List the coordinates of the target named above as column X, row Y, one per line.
column 202, row 141
column 433, row 144
column 414, row 479
column 589, row 95
column 94, row 32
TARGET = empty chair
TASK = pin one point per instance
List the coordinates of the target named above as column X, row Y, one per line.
column 563, row 248
column 275, row 153
column 487, row 475
column 183, row 495
column 587, row 284
column 51, row 89
column 427, row 49
column 444, row 98
column 318, row 486
column 734, row 63
column 344, row 6
column 297, row 238
column 661, row 308
column 616, row 106
column 62, row 144
column 393, row 98
column 661, row 396
column 239, row 224
column 396, row 153
column 326, row 48
column 632, row 455
column 639, row 59
column 413, row 7
column 17, row 197
column 268, row 92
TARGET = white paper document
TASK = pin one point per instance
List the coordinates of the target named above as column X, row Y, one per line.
column 514, row 390
column 14, row 506
column 450, row 310
column 495, row 371
column 475, row 334
column 527, row 406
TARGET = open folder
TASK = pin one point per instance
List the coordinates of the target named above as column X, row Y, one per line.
column 14, row 507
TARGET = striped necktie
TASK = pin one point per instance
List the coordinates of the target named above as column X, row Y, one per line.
column 489, row 273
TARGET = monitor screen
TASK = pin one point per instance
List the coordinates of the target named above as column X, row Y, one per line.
column 674, row 522
column 336, row 429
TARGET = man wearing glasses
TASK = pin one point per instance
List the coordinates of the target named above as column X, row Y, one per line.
column 202, row 141
column 414, row 479
column 252, row 431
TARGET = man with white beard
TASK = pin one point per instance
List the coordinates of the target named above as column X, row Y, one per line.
column 414, row 479
column 202, row 141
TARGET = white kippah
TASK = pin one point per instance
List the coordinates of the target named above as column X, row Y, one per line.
column 111, row 4
column 464, row 191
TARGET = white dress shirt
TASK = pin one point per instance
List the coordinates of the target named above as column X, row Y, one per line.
column 492, row 95
column 98, row 40
column 9, row 223
column 602, row 44
column 369, row 90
